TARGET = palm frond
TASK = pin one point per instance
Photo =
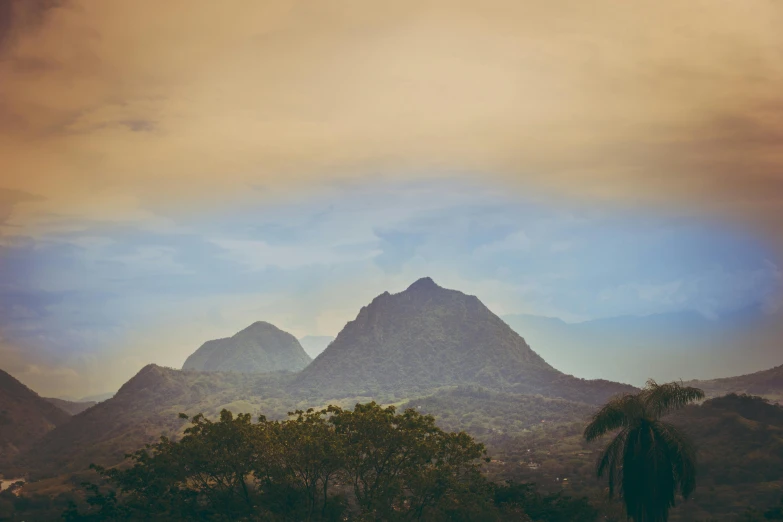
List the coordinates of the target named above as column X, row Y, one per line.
column 682, row 455
column 660, row 399
column 617, row 413
column 611, row 461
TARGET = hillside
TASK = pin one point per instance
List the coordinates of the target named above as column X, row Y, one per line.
column 259, row 348
column 408, row 343
column 766, row 383
column 25, row 417
column 489, row 415
column 146, row 407
column 740, row 455
column 71, row 407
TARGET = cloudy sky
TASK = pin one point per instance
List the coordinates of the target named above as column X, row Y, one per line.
column 172, row 171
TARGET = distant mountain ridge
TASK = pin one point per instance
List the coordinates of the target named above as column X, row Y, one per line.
column 259, row 348
column 766, row 383
column 666, row 346
column 71, row 407
column 428, row 336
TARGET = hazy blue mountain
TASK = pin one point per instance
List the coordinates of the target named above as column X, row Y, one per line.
column 631, row 348
column 766, row 383
column 428, row 336
column 72, row 407
column 259, row 348
column 100, row 397
column 315, row 344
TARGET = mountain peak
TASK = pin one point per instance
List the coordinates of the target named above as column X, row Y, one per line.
column 425, row 283
column 261, row 347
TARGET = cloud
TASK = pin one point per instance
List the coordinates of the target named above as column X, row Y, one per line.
column 609, row 103
column 515, row 242
column 712, row 293
column 184, row 158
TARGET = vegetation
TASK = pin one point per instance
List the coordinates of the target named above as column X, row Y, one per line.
column 648, row 460
column 767, row 384
column 432, row 352
column 493, row 415
column 368, row 463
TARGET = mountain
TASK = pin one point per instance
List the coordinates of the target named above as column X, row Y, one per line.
column 145, row 407
column 767, row 383
column 72, row 407
column 666, row 347
column 259, row 348
column 315, row 344
column 427, row 336
column 25, row 417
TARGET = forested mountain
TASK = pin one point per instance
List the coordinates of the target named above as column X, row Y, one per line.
column 406, row 345
column 766, row 383
column 437, row 351
column 259, row 348
column 25, row 417
column 143, row 409
column 428, row 336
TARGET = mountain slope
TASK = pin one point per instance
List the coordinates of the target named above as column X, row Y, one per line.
column 146, row 407
column 766, row 383
column 25, row 417
column 428, row 336
column 259, row 348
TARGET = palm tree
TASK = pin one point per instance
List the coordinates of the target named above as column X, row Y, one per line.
column 649, row 460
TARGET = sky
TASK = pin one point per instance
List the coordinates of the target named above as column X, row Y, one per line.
column 171, row 172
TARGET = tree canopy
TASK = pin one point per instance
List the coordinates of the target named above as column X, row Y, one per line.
column 365, row 463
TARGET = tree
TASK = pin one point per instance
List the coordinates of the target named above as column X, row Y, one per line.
column 308, row 456
column 649, row 460
column 401, row 465
column 205, row 474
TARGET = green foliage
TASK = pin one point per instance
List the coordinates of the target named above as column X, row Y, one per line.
column 649, row 460
column 365, row 463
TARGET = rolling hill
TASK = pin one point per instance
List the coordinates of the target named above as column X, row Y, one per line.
column 259, row 348
column 766, row 383
column 146, row 407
